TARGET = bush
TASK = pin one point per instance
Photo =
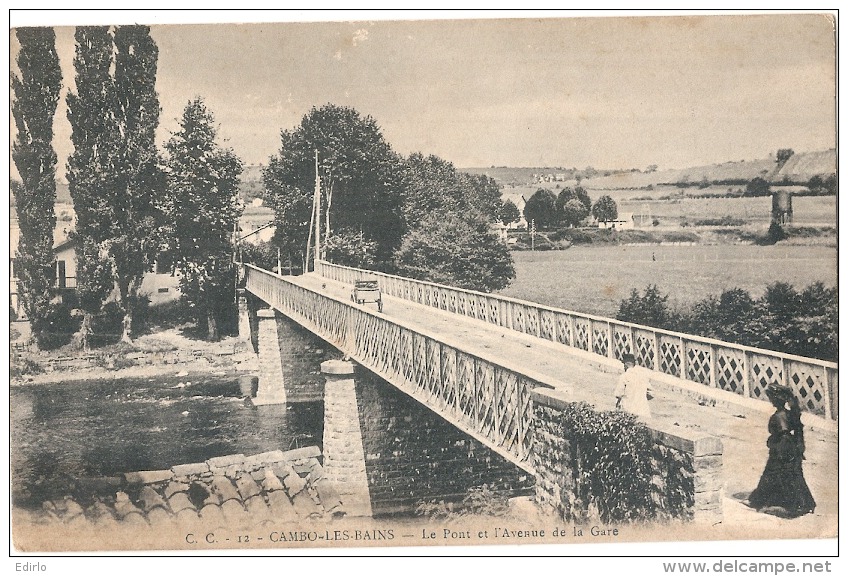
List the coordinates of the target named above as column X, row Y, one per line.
column 25, row 367
column 58, row 327
column 804, row 323
column 478, row 501
column 723, row 221
column 649, row 309
column 610, row 455
column 108, row 325
column 776, row 233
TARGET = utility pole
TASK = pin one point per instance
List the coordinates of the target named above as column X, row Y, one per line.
column 533, row 234
column 317, row 202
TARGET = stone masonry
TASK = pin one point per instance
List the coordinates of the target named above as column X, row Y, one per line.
column 413, row 456
column 243, row 318
column 301, row 353
column 344, row 457
column 687, row 481
column 272, row 388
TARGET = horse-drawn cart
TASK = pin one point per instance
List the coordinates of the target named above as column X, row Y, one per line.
column 365, row 291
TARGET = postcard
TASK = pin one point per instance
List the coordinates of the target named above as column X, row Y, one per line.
column 342, row 282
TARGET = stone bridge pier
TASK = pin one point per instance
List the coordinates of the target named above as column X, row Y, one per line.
column 383, row 451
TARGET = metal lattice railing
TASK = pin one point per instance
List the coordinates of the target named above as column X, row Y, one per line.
column 742, row 370
column 481, row 396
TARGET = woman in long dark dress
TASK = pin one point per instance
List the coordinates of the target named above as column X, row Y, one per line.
column 782, row 489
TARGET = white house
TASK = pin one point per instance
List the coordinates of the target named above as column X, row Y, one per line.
column 159, row 284
column 623, row 222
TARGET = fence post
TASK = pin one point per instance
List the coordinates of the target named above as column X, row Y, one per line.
column 610, row 342
column 831, row 409
column 475, row 390
column 591, row 337
column 683, row 374
column 713, row 379
column 746, row 373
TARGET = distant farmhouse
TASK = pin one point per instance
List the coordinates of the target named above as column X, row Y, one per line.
column 625, row 221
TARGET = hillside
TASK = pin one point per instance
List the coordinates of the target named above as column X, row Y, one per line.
column 798, row 169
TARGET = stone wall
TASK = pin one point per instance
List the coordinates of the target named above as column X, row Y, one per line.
column 301, row 353
column 412, row 455
column 685, row 468
column 300, row 356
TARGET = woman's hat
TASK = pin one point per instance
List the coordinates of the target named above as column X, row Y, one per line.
column 625, row 358
column 779, row 392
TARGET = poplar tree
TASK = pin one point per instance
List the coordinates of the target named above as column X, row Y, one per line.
column 202, row 207
column 36, row 94
column 138, row 177
column 91, row 112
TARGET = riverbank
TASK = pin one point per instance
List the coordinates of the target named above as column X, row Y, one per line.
column 165, row 352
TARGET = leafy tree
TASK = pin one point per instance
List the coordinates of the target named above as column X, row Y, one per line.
column 757, row 187
column 361, row 177
column 36, row 95
column 94, row 282
column 817, row 320
column 202, row 210
column 574, row 212
column 605, row 209
column 783, row 155
column 351, row 249
column 91, row 180
column 731, row 317
column 831, row 185
column 803, row 323
column 576, row 193
column 458, row 249
column 432, row 183
column 509, row 213
column 649, row 309
column 464, row 252
column 541, row 208
column 823, row 186
column 816, row 185
column 573, row 215
column 139, row 179
column 262, row 254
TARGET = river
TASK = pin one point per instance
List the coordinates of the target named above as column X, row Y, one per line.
column 66, row 431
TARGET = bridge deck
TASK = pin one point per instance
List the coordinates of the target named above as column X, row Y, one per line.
column 740, row 426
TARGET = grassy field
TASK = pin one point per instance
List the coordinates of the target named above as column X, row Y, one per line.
column 594, row 279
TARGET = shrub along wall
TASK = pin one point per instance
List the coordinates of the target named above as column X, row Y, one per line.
column 606, row 466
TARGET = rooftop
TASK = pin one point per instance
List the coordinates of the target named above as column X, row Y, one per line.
column 226, row 491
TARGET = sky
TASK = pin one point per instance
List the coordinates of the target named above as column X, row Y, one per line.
column 601, row 91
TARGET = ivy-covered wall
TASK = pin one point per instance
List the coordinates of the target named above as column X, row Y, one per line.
column 607, row 466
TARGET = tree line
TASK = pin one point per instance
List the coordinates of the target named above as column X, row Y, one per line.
column 134, row 203
column 417, row 216
column 569, row 208
column 783, row 319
